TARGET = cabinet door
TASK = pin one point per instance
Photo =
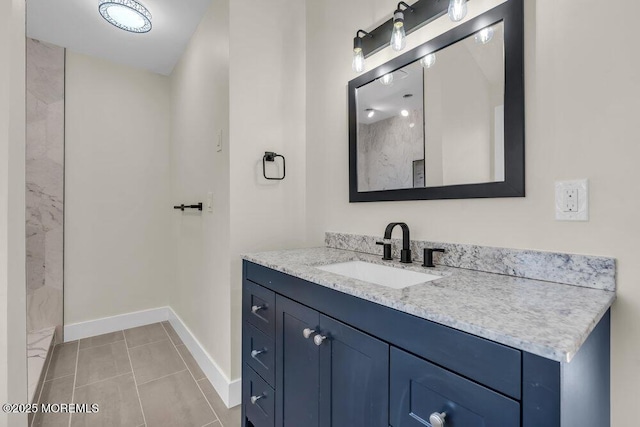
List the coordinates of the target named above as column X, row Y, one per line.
column 354, row 377
column 298, row 363
column 420, row 389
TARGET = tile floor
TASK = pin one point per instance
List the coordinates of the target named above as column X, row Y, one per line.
column 140, row 377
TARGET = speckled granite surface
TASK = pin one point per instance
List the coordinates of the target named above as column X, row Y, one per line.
column 548, row 319
column 580, row 270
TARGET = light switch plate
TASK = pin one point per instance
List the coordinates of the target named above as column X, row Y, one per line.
column 572, row 200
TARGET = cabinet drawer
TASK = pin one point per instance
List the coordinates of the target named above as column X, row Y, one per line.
column 258, row 399
column 259, row 307
column 259, row 352
column 419, row 389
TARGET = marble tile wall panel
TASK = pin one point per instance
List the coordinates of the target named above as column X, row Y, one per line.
column 387, row 150
column 579, row 270
column 45, row 185
column 39, row 347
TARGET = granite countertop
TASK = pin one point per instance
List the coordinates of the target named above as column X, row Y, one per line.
column 549, row 319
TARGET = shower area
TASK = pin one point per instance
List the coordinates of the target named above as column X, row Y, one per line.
column 44, row 206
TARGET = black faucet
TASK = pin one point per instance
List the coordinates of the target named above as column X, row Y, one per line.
column 405, row 253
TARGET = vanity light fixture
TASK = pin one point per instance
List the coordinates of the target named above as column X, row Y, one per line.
column 406, row 19
column 457, row 10
column 387, row 79
column 485, row 35
column 428, row 61
column 358, row 56
column 398, row 34
column 128, row 15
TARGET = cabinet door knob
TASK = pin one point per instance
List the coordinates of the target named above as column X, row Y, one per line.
column 257, row 308
column 254, row 399
column 307, row 332
column 256, row 353
column 437, row 419
column 318, row 339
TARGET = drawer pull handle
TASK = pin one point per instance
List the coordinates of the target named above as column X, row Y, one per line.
column 307, row 332
column 257, row 308
column 256, row 353
column 254, row 399
column 318, row 339
column 437, row 419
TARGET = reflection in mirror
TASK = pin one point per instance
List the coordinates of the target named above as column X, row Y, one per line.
column 438, row 121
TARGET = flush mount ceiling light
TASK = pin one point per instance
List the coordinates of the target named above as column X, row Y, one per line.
column 128, row 15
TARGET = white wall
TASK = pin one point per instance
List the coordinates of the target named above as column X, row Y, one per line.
column 13, row 342
column 583, row 98
column 250, row 85
column 267, row 113
column 118, row 207
column 201, row 295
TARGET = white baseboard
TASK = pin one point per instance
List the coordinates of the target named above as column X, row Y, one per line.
column 229, row 390
column 105, row 325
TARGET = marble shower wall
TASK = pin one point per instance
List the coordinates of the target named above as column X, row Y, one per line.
column 387, row 150
column 45, row 185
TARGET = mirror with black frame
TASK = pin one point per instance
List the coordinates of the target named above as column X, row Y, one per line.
column 445, row 120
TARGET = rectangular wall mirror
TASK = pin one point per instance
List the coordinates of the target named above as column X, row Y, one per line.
column 445, row 120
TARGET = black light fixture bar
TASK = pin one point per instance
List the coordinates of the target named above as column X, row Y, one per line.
column 424, row 11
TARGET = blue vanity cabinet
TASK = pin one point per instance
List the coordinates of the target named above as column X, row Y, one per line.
column 328, row 374
column 316, row 357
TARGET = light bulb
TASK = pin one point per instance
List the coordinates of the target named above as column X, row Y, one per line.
column 387, row 79
column 398, row 36
column 358, row 60
column 371, row 113
column 485, row 35
column 404, row 113
column 457, row 10
column 428, row 61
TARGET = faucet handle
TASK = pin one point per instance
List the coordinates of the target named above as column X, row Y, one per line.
column 428, row 256
column 386, row 249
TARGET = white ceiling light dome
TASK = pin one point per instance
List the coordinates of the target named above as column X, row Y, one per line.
column 128, row 15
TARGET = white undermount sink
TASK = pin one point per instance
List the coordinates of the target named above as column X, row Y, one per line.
column 396, row 278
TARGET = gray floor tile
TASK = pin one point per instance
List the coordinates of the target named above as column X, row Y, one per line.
column 213, row 424
column 101, row 340
column 191, row 362
column 145, row 335
column 172, row 333
column 175, row 400
column 118, row 400
column 228, row 417
column 59, row 390
column 100, row 363
column 63, row 360
column 155, row 360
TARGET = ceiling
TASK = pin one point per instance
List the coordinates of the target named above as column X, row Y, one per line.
column 77, row 25
column 388, row 101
